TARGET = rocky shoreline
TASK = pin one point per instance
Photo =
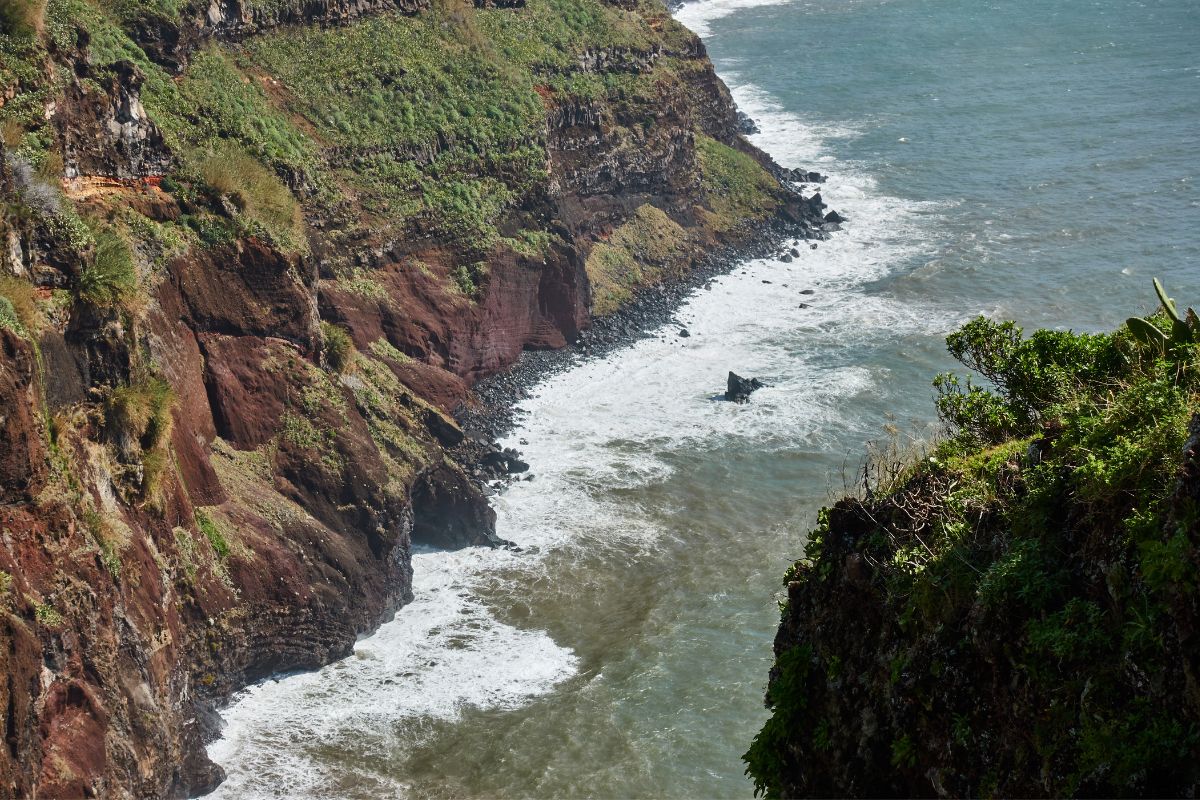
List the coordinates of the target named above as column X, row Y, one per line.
column 493, row 409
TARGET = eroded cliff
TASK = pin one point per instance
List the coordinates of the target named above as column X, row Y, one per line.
column 255, row 256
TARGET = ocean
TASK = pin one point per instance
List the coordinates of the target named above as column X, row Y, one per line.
column 1018, row 159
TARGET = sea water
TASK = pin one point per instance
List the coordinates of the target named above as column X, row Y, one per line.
column 1016, row 159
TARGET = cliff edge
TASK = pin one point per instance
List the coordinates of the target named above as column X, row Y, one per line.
column 1015, row 612
column 254, row 256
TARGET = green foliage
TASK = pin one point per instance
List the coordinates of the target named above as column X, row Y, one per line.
column 22, row 314
column 110, row 279
column 257, row 193
column 767, row 759
column 338, row 347
column 213, row 533
column 468, row 278
column 142, row 410
column 22, row 18
column 6, row 582
column 8, row 317
column 739, row 189
column 1180, row 341
column 1047, row 540
column 48, row 616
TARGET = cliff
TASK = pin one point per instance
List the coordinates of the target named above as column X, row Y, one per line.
column 1015, row 612
column 256, row 253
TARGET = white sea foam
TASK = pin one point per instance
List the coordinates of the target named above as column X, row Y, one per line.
column 608, row 422
column 697, row 14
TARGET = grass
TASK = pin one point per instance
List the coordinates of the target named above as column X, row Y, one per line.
column 738, row 188
column 212, row 532
column 22, row 18
column 258, row 193
column 637, row 254
column 338, row 348
column 143, row 411
column 109, row 280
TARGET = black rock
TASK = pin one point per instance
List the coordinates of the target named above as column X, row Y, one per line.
column 786, row 258
column 739, row 389
column 795, row 253
column 745, row 124
column 684, row 333
column 808, row 291
column 503, row 463
column 803, row 305
column 833, row 216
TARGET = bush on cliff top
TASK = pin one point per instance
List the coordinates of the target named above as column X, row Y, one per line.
column 1021, row 602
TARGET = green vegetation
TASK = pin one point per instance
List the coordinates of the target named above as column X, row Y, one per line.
column 47, row 615
column 637, row 254
column 220, row 544
column 142, row 411
column 1027, row 573
column 338, row 347
column 739, row 188
column 22, row 18
column 6, row 582
column 257, row 193
column 469, row 277
column 9, row 320
column 111, row 278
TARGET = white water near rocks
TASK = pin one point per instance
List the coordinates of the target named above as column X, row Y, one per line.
column 623, row 651
column 597, row 426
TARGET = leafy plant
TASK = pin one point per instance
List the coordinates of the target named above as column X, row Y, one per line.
column 1185, row 329
column 338, row 347
column 211, row 532
column 110, row 278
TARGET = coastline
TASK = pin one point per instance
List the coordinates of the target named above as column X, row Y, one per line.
column 494, row 403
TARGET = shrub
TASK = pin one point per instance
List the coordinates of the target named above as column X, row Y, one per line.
column 257, row 193
column 22, row 17
column 47, row 615
column 338, row 347
column 21, row 297
column 110, row 279
column 142, row 411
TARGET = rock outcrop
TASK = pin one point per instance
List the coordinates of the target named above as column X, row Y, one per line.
column 242, row 298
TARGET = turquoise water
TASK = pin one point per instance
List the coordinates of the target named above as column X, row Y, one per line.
column 1001, row 158
column 1064, row 134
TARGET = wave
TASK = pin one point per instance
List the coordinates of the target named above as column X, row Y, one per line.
column 606, row 425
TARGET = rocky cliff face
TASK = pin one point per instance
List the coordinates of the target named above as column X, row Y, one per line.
column 255, row 256
column 1014, row 613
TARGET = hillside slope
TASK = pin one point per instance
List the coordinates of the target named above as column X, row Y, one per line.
column 1016, row 614
column 255, row 255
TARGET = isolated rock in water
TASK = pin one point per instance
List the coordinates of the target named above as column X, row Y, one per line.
column 739, row 389
column 834, row 216
column 684, row 332
column 786, row 258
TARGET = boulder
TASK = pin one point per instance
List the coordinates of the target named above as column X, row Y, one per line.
column 739, row 389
